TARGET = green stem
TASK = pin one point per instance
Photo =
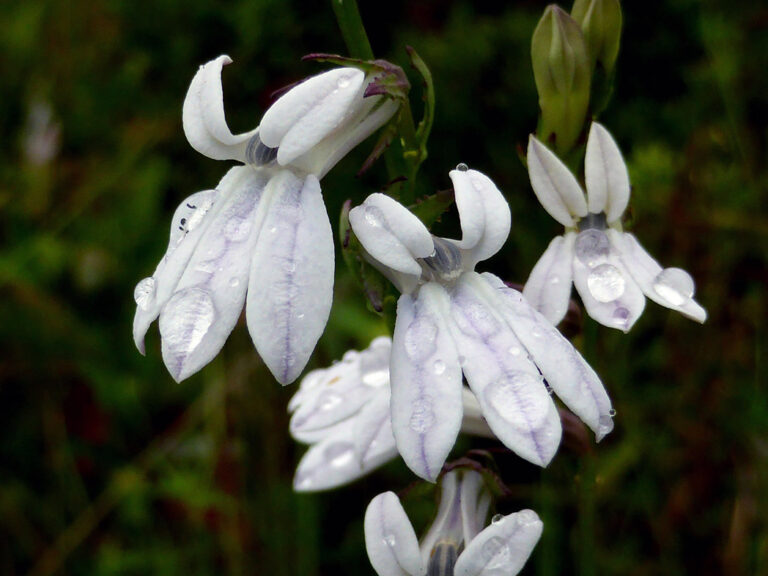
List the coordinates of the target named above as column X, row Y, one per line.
column 352, row 29
column 588, row 473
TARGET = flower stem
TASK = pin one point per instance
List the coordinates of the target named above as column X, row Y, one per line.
column 352, row 29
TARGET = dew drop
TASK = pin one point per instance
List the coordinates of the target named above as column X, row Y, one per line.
column 674, row 285
column 612, row 413
column 339, row 454
column 439, row 367
column 420, row 339
column 462, row 167
column 526, row 517
column 592, row 246
column 606, row 283
column 496, row 553
column 343, row 82
column 422, row 416
column 390, row 540
column 186, row 320
column 621, row 315
column 514, row 351
column 144, row 293
column 497, row 519
column 237, row 229
column 374, row 216
column 234, row 282
column 300, row 316
column 554, row 280
column 273, row 230
column 376, row 378
column 328, row 400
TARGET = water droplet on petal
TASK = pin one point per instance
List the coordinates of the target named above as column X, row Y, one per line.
column 328, row 400
column 376, row 379
column 273, row 230
column 339, row 454
column 186, row 319
column 612, row 413
column 422, row 416
column 420, row 339
column 517, row 398
column 674, row 285
column 234, row 282
column 554, row 280
column 343, row 82
column 462, row 167
column 439, row 367
column 496, row 553
column 514, row 351
column 374, row 216
column 525, row 517
column 390, row 540
column 497, row 519
column 144, row 293
column 606, row 283
column 621, row 315
column 237, row 229
column 592, row 246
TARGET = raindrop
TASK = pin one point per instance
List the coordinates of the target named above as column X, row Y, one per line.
column 273, row 230
column 299, row 316
column 514, row 351
column 526, row 517
column 621, row 315
column 237, row 229
column 612, row 413
column 554, row 280
column 329, row 400
column 144, row 293
column 606, row 283
column 186, row 320
column 339, row 454
column 420, row 339
column 374, row 216
column 343, row 82
column 439, row 367
column 518, row 399
column 422, row 416
column 234, row 282
column 390, row 540
column 592, row 246
column 496, row 553
column 674, row 285
column 462, row 167
column 497, row 519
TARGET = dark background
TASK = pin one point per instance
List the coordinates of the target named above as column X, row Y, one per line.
column 108, row 467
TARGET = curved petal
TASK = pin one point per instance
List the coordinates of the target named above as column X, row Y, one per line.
column 569, row 375
column 507, row 384
column 291, row 284
column 332, row 462
column 372, row 426
column 208, row 298
column 606, row 174
column 447, row 525
column 555, row 186
column 670, row 287
column 503, row 547
column 475, row 503
column 390, row 539
column 548, row 288
column 394, row 236
column 426, row 382
column 203, row 116
column 484, row 213
column 307, row 113
column 609, row 293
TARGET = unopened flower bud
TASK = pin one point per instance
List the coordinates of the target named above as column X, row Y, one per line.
column 600, row 22
column 562, row 73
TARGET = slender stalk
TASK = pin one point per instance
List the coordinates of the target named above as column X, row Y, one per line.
column 352, row 29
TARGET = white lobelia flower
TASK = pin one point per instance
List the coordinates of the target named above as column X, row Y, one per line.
column 451, row 319
column 263, row 231
column 342, row 412
column 609, row 267
column 458, row 543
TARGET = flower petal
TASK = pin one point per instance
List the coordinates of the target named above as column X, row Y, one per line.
column 609, row 293
column 447, row 525
column 555, row 186
column 548, row 288
column 503, row 547
column 484, row 213
column 393, row 236
column 606, row 174
column 426, row 382
column 507, row 384
column 208, row 299
column 332, row 462
column 390, row 539
column 569, row 375
column 475, row 502
column 203, row 116
column 372, row 426
column 670, row 287
column 309, row 112
column 291, row 284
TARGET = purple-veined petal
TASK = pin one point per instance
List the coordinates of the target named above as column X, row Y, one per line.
column 426, row 382
column 309, row 112
column 605, row 174
column 208, row 299
column 393, row 236
column 291, row 284
column 548, row 288
column 332, row 462
column 372, row 426
column 569, row 375
column 473, row 422
column 390, row 539
column 555, row 186
column 484, row 213
column 503, row 547
column 670, row 287
column 475, row 503
column 447, row 525
column 203, row 116
column 507, row 384
column 609, row 293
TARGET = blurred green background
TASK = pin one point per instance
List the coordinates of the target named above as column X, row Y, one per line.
column 108, row 467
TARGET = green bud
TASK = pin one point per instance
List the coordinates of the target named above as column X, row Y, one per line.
column 600, row 21
column 562, row 73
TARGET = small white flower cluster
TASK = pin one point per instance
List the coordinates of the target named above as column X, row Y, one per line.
column 262, row 239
